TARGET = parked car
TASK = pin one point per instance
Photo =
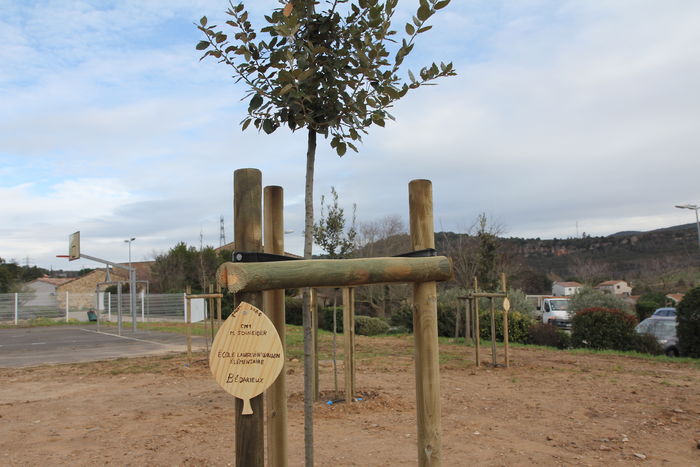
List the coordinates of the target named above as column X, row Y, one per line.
column 665, row 312
column 663, row 328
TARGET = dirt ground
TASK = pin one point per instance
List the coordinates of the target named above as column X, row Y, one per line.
column 550, row 408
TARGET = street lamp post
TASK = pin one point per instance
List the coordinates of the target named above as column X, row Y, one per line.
column 132, row 287
column 695, row 208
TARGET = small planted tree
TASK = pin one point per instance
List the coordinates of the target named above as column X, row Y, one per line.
column 333, row 72
column 331, row 235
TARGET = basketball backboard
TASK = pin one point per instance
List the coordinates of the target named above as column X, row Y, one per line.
column 74, row 246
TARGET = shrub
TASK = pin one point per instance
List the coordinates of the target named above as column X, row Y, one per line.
column 647, row 343
column 325, row 319
column 648, row 303
column 368, row 326
column 293, row 310
column 546, row 334
column 588, row 297
column 688, row 317
column 603, row 328
column 518, row 326
column 402, row 318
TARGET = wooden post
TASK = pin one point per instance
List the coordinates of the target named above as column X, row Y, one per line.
column 247, row 228
column 273, row 307
column 467, row 322
column 425, row 330
column 189, row 324
column 493, row 332
column 218, row 309
column 349, row 342
column 314, row 332
column 506, row 308
column 210, row 309
column 477, row 331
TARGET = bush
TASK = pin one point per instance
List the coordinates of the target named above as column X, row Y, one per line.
column 647, row 343
column 688, row 317
column 518, row 326
column 588, row 297
column 325, row 319
column 603, row 328
column 293, row 310
column 402, row 318
column 368, row 326
column 648, row 303
column 546, row 334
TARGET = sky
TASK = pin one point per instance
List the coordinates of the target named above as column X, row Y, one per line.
column 566, row 117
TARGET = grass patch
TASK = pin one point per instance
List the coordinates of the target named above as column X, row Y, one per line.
column 37, row 322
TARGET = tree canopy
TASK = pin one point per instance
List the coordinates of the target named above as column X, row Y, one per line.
column 329, row 71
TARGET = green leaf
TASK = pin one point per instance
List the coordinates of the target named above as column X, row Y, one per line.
column 341, row 149
column 410, row 75
column 422, row 30
column 442, row 4
column 203, row 21
column 202, row 45
column 423, row 13
column 286, row 89
column 410, row 29
column 268, row 126
column 246, row 122
column 255, row 102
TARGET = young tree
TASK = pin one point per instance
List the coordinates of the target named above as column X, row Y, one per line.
column 330, row 233
column 330, row 72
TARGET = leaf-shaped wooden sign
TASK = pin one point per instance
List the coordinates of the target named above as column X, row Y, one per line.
column 506, row 304
column 247, row 355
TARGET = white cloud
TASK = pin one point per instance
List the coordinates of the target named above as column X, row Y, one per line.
column 562, row 112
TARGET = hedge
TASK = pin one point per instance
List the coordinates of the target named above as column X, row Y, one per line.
column 603, row 328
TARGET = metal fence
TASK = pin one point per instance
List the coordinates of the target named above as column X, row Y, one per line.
column 16, row 307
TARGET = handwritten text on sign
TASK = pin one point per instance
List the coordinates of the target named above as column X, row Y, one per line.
column 246, row 356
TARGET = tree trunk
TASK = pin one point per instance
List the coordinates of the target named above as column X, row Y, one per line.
column 306, row 310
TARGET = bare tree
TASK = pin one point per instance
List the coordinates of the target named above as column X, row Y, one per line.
column 384, row 237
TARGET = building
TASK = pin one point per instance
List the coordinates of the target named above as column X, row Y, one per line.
column 615, row 288
column 565, row 289
column 42, row 292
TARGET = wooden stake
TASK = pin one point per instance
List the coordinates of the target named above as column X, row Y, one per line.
column 349, row 342
column 493, row 332
column 425, row 330
column 218, row 310
column 188, row 291
column 273, row 307
column 314, row 329
column 477, row 331
column 247, row 228
column 506, row 308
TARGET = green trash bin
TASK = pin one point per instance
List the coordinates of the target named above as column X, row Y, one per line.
column 92, row 316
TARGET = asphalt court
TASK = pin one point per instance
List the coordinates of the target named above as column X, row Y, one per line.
column 23, row 347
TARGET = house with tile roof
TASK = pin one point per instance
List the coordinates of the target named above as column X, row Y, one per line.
column 565, row 289
column 615, row 287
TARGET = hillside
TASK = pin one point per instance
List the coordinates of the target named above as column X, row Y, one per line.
column 667, row 258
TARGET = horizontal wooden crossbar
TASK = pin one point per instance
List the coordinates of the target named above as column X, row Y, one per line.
column 205, row 295
column 255, row 277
